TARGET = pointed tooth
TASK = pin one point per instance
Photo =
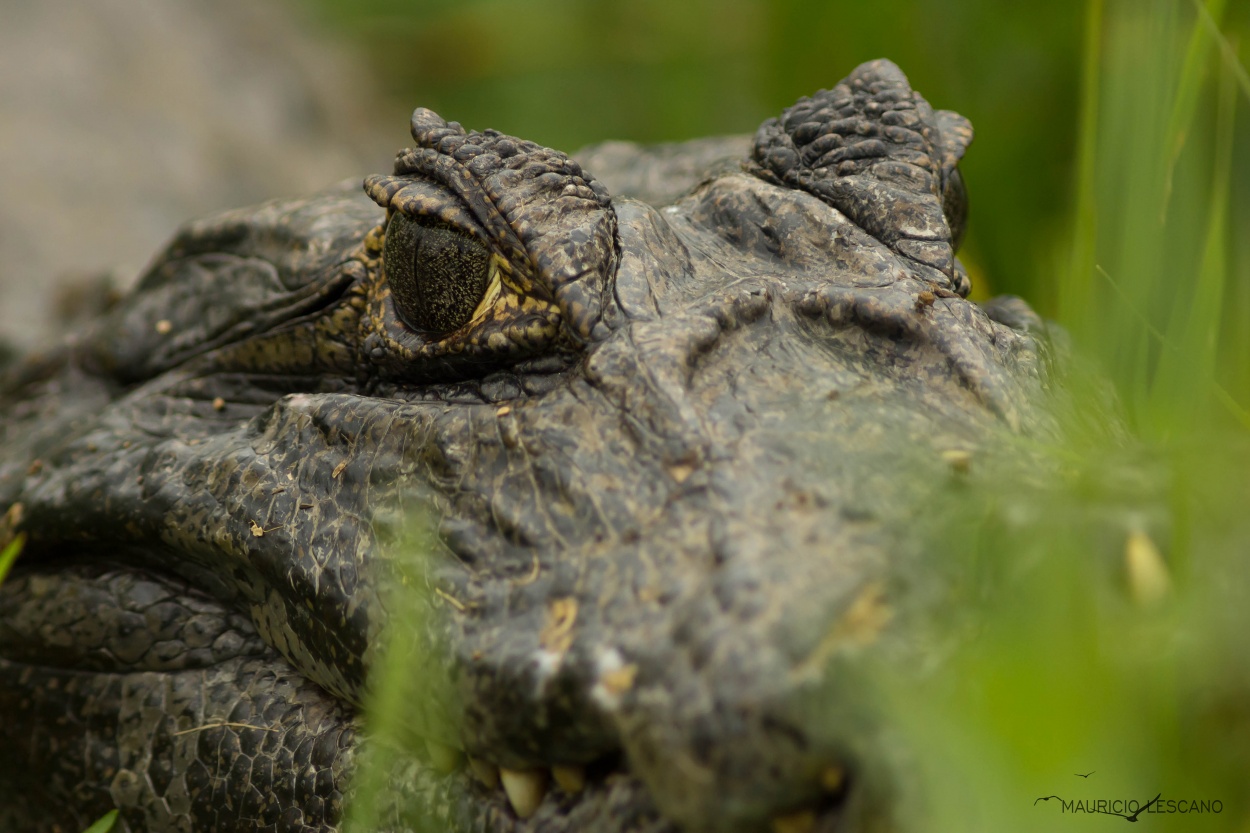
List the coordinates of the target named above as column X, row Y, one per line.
column 525, row 789
column 803, row 822
column 485, row 771
column 444, row 758
column 572, row 779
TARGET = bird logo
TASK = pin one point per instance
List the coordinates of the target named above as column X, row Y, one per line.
column 1136, row 813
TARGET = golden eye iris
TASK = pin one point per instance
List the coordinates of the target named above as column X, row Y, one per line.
column 437, row 275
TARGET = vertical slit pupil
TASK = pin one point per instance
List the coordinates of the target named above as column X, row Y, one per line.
column 437, row 275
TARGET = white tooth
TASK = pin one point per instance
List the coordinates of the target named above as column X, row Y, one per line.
column 802, row 822
column 445, row 759
column 485, row 772
column 525, row 789
column 572, row 779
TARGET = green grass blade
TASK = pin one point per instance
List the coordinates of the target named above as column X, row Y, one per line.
column 1240, row 414
column 1187, row 376
column 1227, row 52
column 1075, row 299
column 104, row 824
column 408, row 676
column 1185, row 381
column 10, row 553
column 1186, row 103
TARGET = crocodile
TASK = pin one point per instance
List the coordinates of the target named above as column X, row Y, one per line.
column 655, row 464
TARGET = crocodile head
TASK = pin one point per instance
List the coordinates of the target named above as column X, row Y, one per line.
column 674, row 458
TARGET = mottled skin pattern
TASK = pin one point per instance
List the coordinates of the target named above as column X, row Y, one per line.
column 674, row 463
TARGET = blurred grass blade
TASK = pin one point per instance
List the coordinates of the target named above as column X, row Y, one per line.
column 1186, row 378
column 10, row 553
column 1127, row 300
column 409, row 701
column 1185, row 104
column 1233, row 406
column 1229, row 54
column 104, row 824
column 1075, row 297
column 384, row 709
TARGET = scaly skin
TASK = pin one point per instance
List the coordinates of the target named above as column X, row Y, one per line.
column 675, row 464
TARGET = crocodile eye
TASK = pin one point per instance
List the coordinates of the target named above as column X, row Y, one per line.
column 955, row 207
column 437, row 275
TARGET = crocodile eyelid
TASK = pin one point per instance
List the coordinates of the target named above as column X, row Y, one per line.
column 457, row 179
column 458, row 204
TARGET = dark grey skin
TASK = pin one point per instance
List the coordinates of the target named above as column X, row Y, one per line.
column 675, row 465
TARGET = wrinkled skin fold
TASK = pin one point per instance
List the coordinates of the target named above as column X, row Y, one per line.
column 672, row 465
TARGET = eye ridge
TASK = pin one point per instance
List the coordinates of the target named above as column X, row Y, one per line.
column 437, row 274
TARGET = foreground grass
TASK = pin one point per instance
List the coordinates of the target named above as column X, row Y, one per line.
column 1074, row 667
column 8, row 556
column 104, row 824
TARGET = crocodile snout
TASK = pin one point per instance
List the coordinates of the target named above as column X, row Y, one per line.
column 779, row 560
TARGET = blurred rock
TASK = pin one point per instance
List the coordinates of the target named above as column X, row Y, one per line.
column 120, row 119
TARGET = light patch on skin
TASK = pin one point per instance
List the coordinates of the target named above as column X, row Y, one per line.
column 923, row 233
column 548, row 665
column 557, row 633
column 556, row 638
column 615, row 677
